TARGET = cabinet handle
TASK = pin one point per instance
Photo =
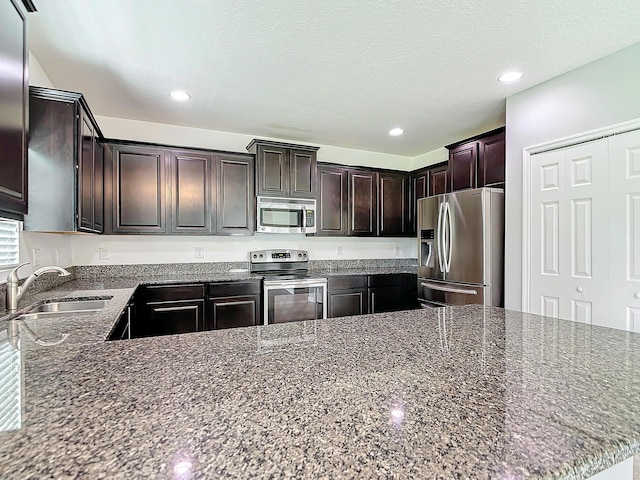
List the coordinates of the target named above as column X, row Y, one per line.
column 580, row 289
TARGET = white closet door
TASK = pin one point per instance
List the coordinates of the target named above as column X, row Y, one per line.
column 624, row 230
column 569, row 265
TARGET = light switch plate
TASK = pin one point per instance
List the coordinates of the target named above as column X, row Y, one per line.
column 104, row 253
column 199, row 252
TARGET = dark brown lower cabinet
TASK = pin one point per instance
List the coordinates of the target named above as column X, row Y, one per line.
column 392, row 292
column 169, row 309
column 233, row 304
column 347, row 296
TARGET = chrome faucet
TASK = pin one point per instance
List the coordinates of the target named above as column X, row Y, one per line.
column 15, row 290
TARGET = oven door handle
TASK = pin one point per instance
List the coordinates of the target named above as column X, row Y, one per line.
column 295, row 284
column 441, row 288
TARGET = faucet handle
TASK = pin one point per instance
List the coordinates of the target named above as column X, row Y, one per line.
column 13, row 274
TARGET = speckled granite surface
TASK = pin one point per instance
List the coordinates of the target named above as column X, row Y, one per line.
column 220, row 268
column 464, row 392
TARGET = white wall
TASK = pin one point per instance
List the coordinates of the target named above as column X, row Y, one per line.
column 126, row 129
column 37, row 75
column 596, row 95
column 139, row 249
column 431, row 158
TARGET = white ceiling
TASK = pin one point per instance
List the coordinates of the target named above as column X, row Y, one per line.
column 330, row 72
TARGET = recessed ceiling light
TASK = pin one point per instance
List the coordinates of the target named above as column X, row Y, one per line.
column 510, row 77
column 180, row 95
column 396, row 132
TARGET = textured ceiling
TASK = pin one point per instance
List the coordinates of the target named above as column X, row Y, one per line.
column 329, row 72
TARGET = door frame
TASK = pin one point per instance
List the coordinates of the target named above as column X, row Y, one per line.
column 556, row 144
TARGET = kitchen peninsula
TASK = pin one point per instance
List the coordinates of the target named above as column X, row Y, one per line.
column 462, row 392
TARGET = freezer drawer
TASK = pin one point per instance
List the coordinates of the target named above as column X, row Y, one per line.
column 433, row 294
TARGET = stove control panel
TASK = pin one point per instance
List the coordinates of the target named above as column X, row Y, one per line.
column 278, row 256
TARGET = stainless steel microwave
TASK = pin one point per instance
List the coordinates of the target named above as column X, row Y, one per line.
column 286, row 215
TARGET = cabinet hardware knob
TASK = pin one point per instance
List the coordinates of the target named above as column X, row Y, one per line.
column 637, row 295
column 580, row 289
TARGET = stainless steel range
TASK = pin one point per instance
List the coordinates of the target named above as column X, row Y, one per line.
column 291, row 293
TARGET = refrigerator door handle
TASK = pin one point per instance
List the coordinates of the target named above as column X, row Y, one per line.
column 449, row 236
column 440, row 237
column 443, row 288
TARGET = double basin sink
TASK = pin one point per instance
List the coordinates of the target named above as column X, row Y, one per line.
column 64, row 309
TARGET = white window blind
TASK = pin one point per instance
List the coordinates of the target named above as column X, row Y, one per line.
column 9, row 242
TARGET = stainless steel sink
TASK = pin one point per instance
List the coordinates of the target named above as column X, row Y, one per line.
column 68, row 307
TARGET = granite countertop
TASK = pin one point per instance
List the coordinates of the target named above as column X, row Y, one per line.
column 463, row 392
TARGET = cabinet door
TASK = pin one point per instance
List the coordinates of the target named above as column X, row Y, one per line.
column 236, row 211
column 347, row 302
column 235, row 311
column 302, row 173
column 438, row 180
column 98, row 188
column 139, row 190
column 419, row 189
column 86, row 169
column 272, row 171
column 393, row 195
column 332, row 201
column 14, row 101
column 463, row 166
column 363, row 202
column 191, row 197
column 168, row 318
column 491, row 159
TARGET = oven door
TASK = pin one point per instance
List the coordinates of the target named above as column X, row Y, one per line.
column 294, row 300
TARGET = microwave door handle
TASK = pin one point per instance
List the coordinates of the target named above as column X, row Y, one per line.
column 304, row 219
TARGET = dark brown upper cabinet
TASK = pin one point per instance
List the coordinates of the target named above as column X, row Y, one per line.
column 14, row 109
column 235, row 200
column 393, row 202
column 463, row 166
column 491, row 160
column 478, row 161
column 159, row 189
column 139, row 191
column 66, row 165
column 284, row 170
column 333, row 218
column 363, row 203
column 438, row 180
column 191, row 197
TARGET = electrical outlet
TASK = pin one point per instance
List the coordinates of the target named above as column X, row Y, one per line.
column 36, row 257
column 199, row 252
column 56, row 255
column 338, row 251
column 396, row 250
column 103, row 252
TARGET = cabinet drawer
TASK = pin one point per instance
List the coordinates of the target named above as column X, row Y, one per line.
column 351, row 281
column 388, row 279
column 230, row 289
column 159, row 293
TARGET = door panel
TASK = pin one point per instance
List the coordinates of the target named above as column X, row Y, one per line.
column 190, row 192
column 569, row 253
column 624, row 231
column 467, row 237
column 429, row 266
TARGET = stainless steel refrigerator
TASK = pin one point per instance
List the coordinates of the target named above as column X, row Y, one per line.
column 461, row 248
